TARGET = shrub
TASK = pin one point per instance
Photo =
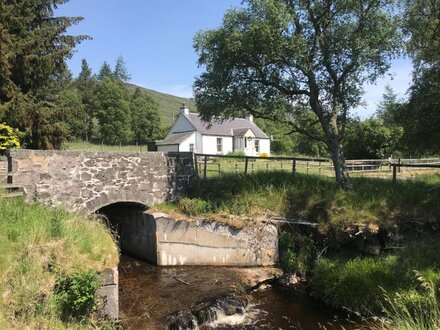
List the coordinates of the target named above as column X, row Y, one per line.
column 77, row 294
column 193, row 206
column 297, row 252
column 9, row 138
column 264, row 154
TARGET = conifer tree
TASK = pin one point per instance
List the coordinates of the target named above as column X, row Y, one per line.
column 33, row 50
column 86, row 84
column 121, row 71
column 105, row 71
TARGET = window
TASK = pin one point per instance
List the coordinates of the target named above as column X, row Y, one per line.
column 245, row 142
column 219, row 145
column 191, row 147
column 257, row 146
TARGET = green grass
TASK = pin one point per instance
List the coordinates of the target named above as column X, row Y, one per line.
column 404, row 286
column 88, row 146
column 318, row 199
column 40, row 246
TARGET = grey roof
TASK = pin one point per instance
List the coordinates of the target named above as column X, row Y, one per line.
column 241, row 131
column 226, row 127
column 174, row 138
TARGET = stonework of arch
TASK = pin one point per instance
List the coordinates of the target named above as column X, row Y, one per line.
column 88, row 181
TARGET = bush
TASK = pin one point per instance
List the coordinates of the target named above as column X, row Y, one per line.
column 264, row 154
column 9, row 138
column 77, row 294
column 193, row 206
column 297, row 253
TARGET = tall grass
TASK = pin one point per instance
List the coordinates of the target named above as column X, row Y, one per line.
column 39, row 246
column 318, row 199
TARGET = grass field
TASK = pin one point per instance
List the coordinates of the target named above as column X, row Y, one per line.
column 88, row 146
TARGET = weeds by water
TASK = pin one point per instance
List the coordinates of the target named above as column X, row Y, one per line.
column 40, row 247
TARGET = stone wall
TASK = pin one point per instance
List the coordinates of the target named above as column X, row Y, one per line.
column 87, row 181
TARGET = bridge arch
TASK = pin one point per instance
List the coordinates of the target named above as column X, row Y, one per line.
column 132, row 227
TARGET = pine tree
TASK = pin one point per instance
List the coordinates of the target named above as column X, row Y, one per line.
column 105, row 71
column 34, row 47
column 121, row 71
column 86, row 84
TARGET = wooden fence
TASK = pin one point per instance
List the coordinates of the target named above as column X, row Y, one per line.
column 208, row 165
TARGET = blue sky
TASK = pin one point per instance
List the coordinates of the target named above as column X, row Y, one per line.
column 155, row 37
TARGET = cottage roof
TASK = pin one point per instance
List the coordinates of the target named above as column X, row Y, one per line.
column 226, row 127
column 174, row 138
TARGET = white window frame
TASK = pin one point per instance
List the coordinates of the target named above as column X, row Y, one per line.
column 257, row 146
column 191, row 147
column 219, row 145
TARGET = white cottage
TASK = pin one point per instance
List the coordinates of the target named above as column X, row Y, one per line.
column 190, row 133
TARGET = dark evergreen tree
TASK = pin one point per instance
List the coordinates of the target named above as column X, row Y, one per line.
column 86, row 84
column 105, row 71
column 33, row 49
column 121, row 71
column 145, row 117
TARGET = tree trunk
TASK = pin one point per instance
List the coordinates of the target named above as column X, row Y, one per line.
column 339, row 163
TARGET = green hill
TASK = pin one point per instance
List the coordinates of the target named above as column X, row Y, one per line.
column 168, row 104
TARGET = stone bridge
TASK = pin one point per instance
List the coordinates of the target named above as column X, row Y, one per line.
column 89, row 181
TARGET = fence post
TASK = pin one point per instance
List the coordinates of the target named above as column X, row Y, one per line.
column 394, row 173
column 319, row 167
column 204, row 168
column 196, row 165
column 294, row 166
column 267, row 167
column 307, row 164
column 218, row 164
column 252, row 168
column 236, row 168
column 399, row 164
column 246, row 165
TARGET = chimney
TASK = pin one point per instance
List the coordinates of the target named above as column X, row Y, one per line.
column 250, row 118
column 184, row 110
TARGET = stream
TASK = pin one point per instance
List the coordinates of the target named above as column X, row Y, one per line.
column 148, row 295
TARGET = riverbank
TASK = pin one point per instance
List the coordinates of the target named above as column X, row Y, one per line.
column 49, row 261
column 374, row 250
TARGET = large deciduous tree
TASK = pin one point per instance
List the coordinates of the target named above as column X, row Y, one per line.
column 33, row 49
column 282, row 59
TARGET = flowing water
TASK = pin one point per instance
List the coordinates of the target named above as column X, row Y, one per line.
column 148, row 294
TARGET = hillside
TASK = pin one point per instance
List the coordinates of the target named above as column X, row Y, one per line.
column 168, row 104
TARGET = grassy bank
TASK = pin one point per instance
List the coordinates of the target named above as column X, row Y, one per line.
column 314, row 198
column 403, row 286
column 48, row 262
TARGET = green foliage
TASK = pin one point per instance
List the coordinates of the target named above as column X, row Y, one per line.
column 370, row 139
column 112, row 102
column 297, row 252
column 76, row 294
column 105, row 71
column 356, row 284
column 121, row 72
column 296, row 63
column 34, row 48
column 9, row 138
column 193, row 206
column 145, row 118
column 40, row 247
